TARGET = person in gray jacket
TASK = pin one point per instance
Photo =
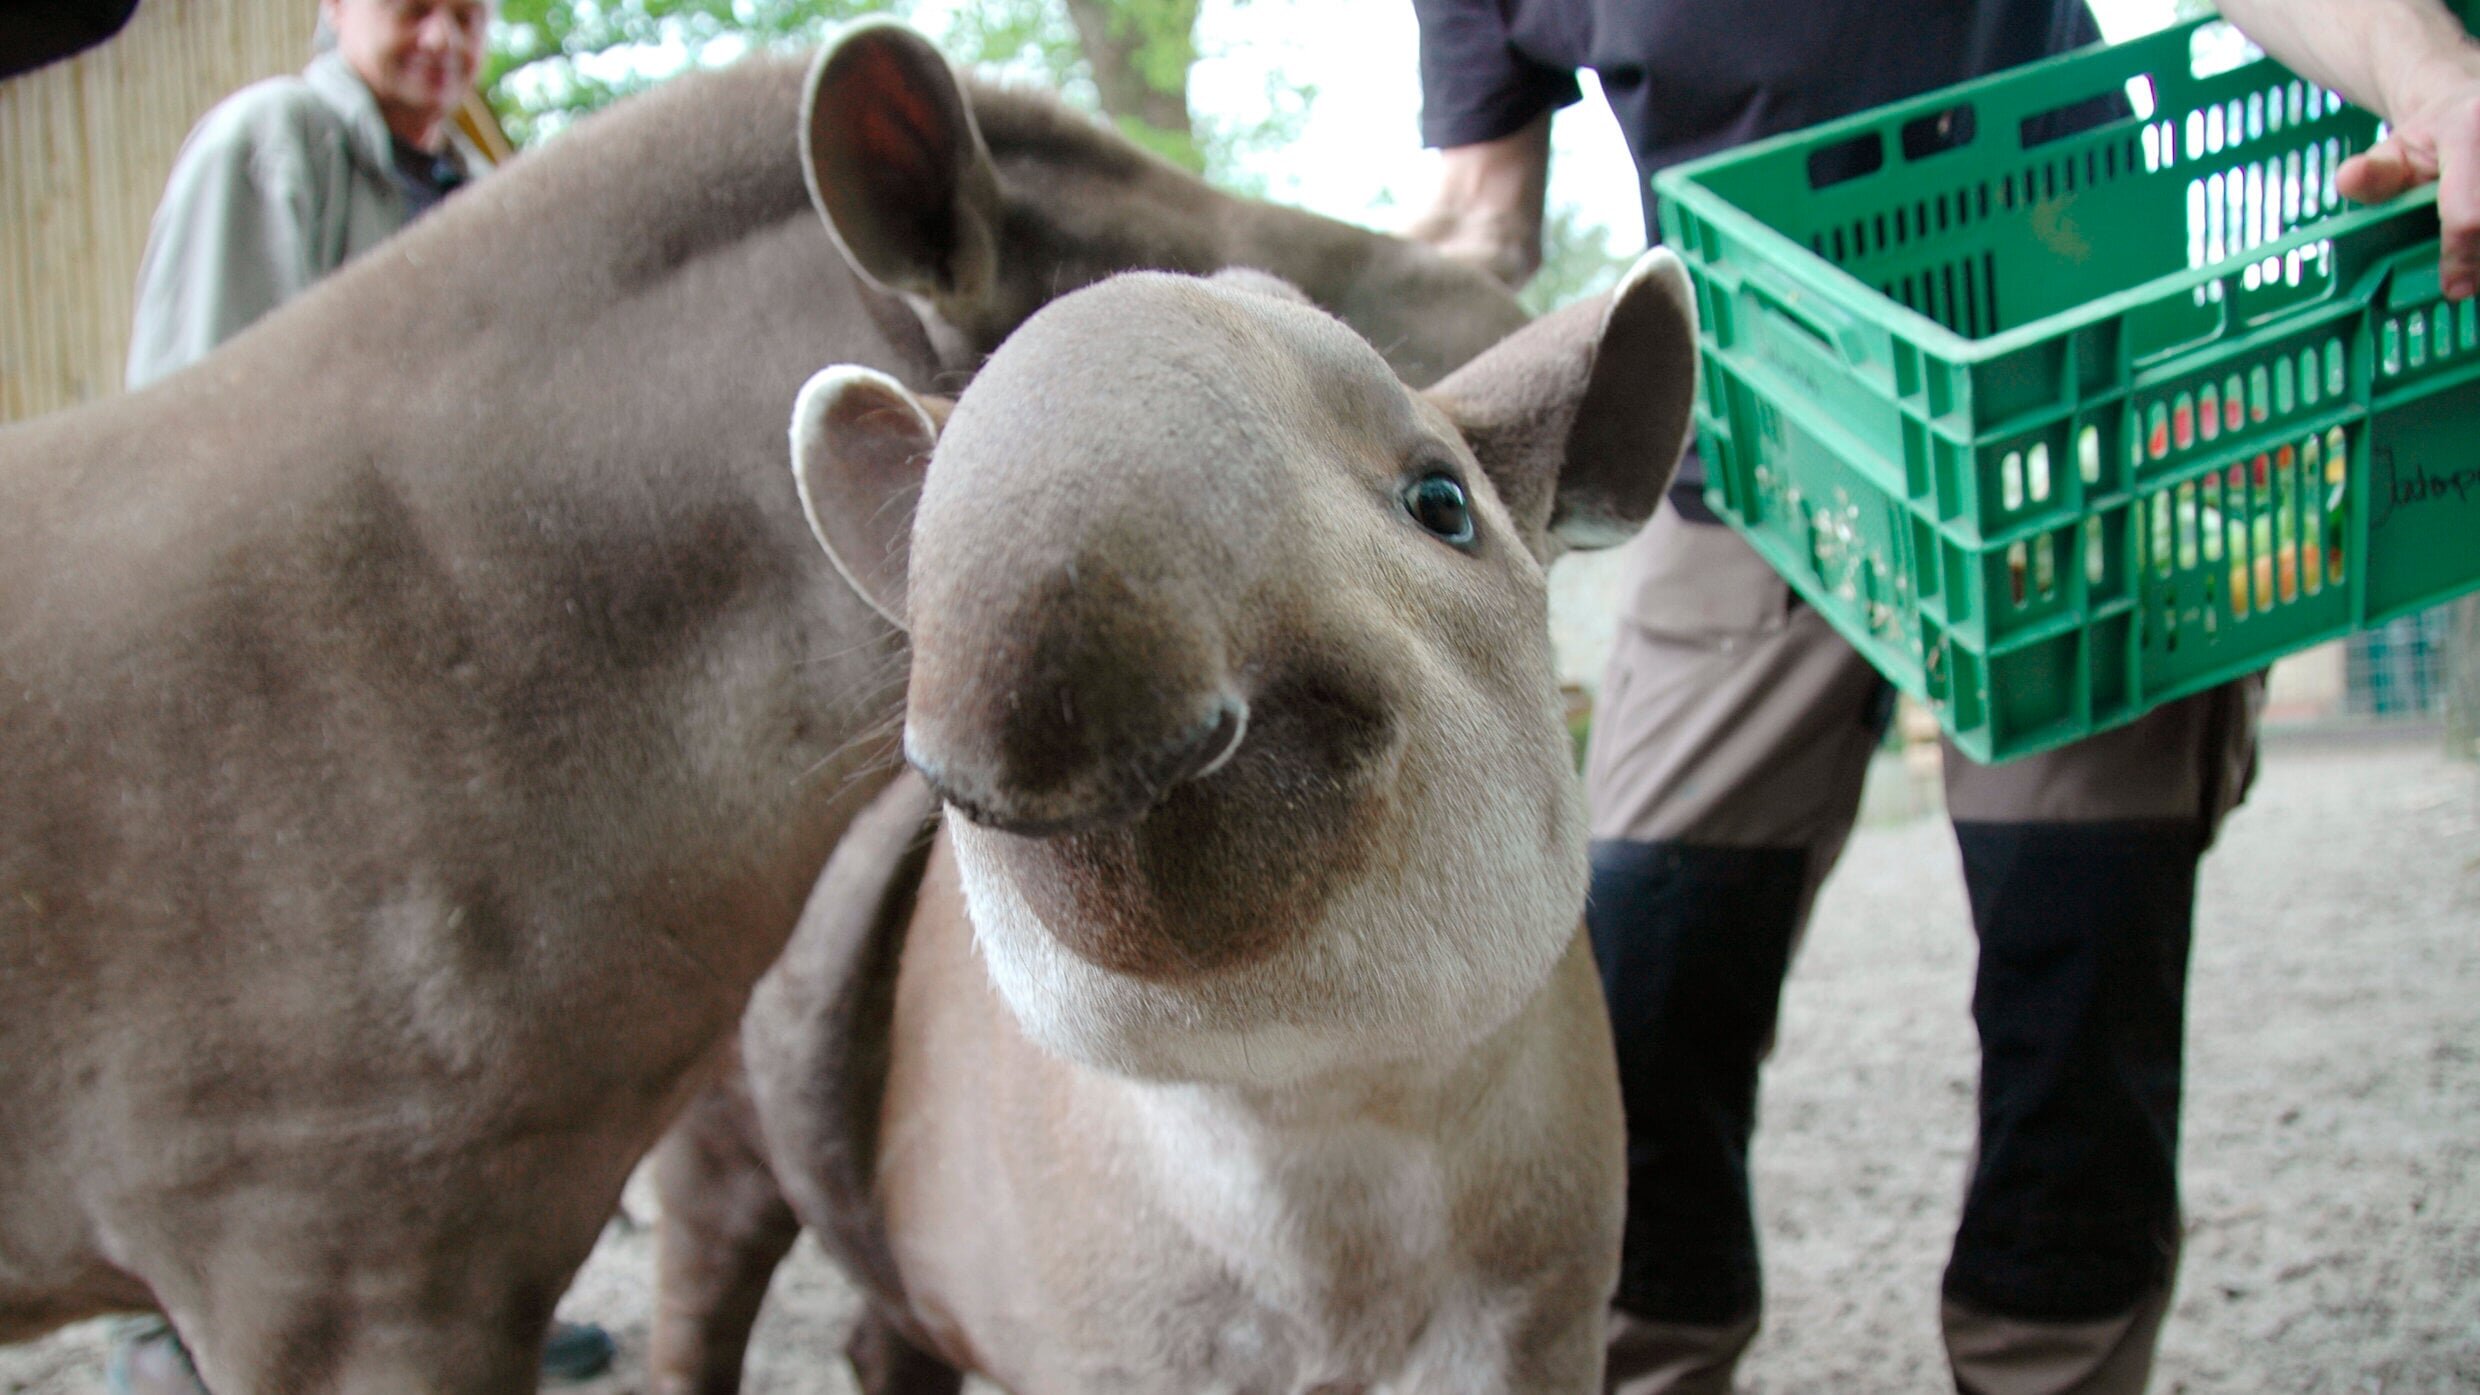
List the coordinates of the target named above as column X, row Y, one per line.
column 290, row 178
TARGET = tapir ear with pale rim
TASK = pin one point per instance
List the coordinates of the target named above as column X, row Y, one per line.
column 1579, row 418
column 896, row 165
column 860, row 445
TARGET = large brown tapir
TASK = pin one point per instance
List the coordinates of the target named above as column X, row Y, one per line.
column 422, row 720
column 1238, row 1031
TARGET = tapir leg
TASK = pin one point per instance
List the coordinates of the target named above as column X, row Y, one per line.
column 351, row 1321
column 358, row 1263
column 469, row 1357
column 725, row 1227
column 886, row 1362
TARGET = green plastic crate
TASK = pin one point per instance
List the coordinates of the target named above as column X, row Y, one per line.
column 2059, row 412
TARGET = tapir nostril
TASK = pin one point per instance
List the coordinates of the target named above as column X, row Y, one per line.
column 1100, row 790
column 929, row 769
column 1210, row 749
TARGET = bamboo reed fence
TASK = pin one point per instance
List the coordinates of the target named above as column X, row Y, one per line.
column 85, row 146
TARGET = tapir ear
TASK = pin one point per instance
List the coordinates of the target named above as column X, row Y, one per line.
column 896, row 165
column 1580, row 417
column 860, row 445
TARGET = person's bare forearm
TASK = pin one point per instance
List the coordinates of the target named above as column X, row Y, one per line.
column 2382, row 54
column 2410, row 62
column 1488, row 206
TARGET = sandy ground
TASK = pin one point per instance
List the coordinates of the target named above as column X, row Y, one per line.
column 2332, row 1138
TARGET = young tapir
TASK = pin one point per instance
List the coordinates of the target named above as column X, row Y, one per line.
column 422, row 720
column 1242, row 1036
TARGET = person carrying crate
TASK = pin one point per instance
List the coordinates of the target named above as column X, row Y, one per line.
column 1734, row 726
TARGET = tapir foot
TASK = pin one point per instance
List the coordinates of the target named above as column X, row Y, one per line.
column 886, row 1362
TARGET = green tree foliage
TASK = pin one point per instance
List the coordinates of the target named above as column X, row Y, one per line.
column 1577, row 259
column 1138, row 53
column 555, row 60
column 552, row 61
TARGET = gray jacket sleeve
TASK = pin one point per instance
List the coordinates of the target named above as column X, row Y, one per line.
column 240, row 229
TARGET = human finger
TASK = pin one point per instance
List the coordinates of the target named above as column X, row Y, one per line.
column 2456, row 129
column 2380, row 172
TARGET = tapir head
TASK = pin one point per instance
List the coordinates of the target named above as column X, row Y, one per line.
column 1232, row 654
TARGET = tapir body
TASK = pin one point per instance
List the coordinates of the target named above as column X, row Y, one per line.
column 424, row 718
column 1237, row 1031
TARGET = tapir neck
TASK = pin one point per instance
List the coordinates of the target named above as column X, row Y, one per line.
column 1324, row 258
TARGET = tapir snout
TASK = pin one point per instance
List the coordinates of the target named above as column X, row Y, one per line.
column 1121, row 566
column 1077, row 704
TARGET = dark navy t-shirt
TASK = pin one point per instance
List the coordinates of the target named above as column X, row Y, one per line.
column 1690, row 77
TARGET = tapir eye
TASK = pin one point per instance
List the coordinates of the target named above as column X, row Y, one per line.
column 1436, row 501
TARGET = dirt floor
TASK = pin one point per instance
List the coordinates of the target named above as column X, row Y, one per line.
column 2332, row 1138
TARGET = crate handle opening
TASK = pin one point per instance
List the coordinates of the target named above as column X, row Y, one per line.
column 1940, row 131
column 2167, row 328
column 2263, row 293
column 1820, row 320
column 1846, row 160
column 2070, row 119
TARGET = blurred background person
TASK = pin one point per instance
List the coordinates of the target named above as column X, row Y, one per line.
column 289, row 179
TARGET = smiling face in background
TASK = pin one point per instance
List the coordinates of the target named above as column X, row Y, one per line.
column 418, row 56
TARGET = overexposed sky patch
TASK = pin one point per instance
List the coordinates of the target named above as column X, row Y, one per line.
column 1360, row 155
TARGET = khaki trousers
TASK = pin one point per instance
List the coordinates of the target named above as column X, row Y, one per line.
column 1729, row 745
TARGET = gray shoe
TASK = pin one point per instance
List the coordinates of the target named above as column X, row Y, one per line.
column 147, row 1358
column 576, row 1352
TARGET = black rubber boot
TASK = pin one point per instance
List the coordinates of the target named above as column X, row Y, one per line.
column 2073, row 1211
column 1692, row 943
